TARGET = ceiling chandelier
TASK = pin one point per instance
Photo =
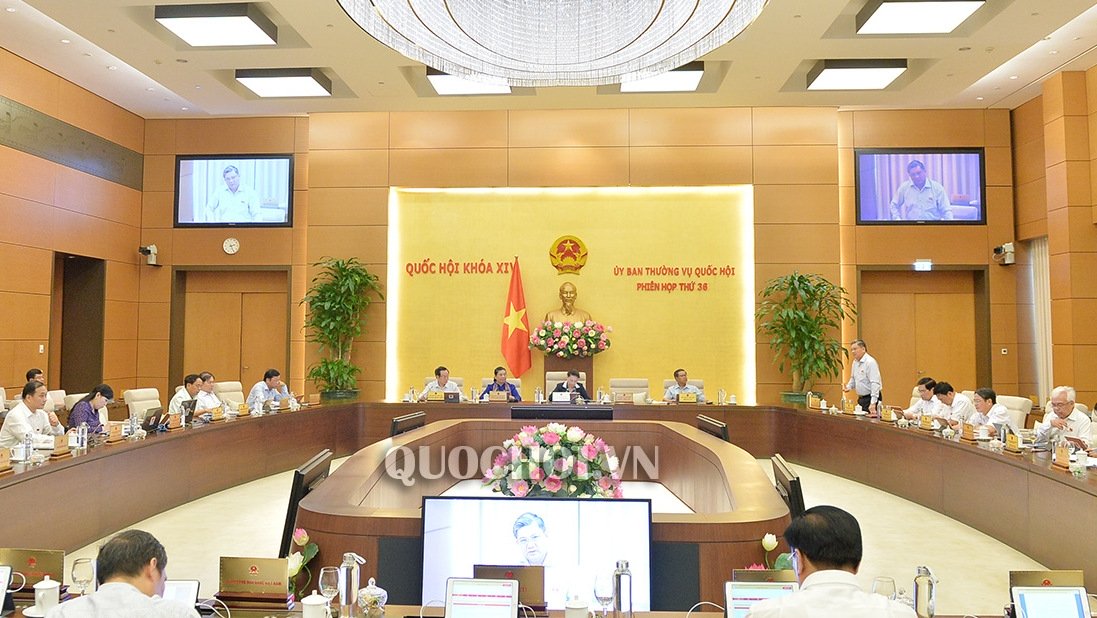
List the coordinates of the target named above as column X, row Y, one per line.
column 553, row 42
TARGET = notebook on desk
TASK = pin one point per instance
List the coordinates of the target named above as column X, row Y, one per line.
column 1050, row 602
column 481, row 598
column 740, row 596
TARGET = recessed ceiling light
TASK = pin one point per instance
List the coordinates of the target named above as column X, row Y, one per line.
column 112, row 68
column 1053, row 52
column 453, row 85
column 1013, row 77
column 872, row 74
column 184, row 108
column 150, row 89
column 10, row 9
column 978, row 98
column 293, row 82
column 66, row 41
column 683, row 79
column 218, row 25
column 914, row 16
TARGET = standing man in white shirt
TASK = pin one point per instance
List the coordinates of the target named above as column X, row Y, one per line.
column 206, row 399
column 191, row 385
column 826, row 553
column 270, row 387
column 865, row 377
column 28, row 417
column 955, row 408
column 1063, row 420
column 927, row 402
column 131, row 569
column 682, row 385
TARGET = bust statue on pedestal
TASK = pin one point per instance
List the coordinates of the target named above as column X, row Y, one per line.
column 567, row 312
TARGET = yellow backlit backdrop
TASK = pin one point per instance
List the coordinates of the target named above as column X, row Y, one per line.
column 670, row 269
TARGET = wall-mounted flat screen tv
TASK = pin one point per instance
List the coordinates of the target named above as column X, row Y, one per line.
column 921, row 186
column 575, row 539
column 234, row 190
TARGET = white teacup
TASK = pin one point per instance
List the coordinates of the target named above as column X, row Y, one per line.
column 579, row 612
column 46, row 594
column 315, row 606
column 18, row 452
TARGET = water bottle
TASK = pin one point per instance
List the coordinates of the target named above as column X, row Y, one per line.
column 82, row 436
column 348, row 583
column 925, row 593
column 601, row 395
column 538, row 395
column 475, row 394
column 622, row 590
column 411, row 394
column 721, row 397
column 28, row 445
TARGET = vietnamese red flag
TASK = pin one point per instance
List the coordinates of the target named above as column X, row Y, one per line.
column 515, row 340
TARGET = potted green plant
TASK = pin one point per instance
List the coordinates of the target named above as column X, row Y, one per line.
column 802, row 316
column 337, row 300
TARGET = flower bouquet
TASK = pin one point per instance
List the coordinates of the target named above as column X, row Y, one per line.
column 570, row 339
column 299, row 560
column 555, row 461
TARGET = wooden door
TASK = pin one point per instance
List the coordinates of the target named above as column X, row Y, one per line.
column 262, row 335
column 918, row 325
column 236, row 324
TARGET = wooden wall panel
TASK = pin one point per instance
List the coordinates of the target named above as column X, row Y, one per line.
column 464, row 167
column 348, row 168
column 448, row 130
column 660, row 166
column 569, row 167
column 348, row 131
column 792, row 165
column 29, row 84
column 782, row 126
column 723, row 126
column 348, row 206
column 225, row 135
column 796, row 204
column 568, row 128
column 913, row 128
column 92, row 113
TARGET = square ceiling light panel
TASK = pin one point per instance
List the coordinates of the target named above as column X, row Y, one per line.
column 683, row 79
column 449, row 85
column 271, row 83
column 218, row 25
column 873, row 74
column 915, row 16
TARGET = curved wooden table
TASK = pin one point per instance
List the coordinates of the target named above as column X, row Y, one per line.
column 1022, row 501
column 363, row 506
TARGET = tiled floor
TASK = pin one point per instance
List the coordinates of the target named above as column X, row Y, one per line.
column 898, row 536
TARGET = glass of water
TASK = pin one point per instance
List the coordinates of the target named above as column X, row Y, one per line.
column 884, row 586
column 603, row 592
column 329, row 582
column 83, row 571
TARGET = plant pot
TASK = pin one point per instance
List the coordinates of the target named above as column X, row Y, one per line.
column 794, row 399
column 339, row 395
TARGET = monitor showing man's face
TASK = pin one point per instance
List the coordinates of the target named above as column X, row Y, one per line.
column 532, row 543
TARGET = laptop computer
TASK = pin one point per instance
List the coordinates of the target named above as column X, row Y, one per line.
column 451, row 397
column 188, row 410
column 531, row 581
column 740, row 596
column 481, row 598
column 1050, row 602
column 183, row 590
column 153, row 418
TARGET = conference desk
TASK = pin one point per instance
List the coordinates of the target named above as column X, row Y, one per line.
column 1020, row 500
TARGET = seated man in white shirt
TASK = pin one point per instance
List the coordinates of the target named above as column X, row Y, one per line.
column 440, row 383
column 28, row 417
column 682, row 385
column 826, row 553
column 1064, row 421
column 270, row 387
column 955, row 407
column 191, row 385
column 206, row 400
column 927, row 402
column 990, row 413
column 35, row 374
column 131, row 571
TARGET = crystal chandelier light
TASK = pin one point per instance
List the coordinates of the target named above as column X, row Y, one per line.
column 553, row 42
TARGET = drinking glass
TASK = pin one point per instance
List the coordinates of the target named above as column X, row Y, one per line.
column 884, row 586
column 83, row 571
column 329, row 582
column 603, row 592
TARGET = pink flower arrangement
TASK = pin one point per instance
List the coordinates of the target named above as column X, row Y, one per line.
column 570, row 339
column 555, row 461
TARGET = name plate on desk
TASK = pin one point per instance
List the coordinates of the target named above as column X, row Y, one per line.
column 888, row 415
column 436, row 396
column 217, row 414
column 175, row 421
column 1062, row 456
column 114, row 434
column 687, row 397
column 497, row 396
column 563, row 397
column 35, row 564
column 622, row 398
column 926, row 422
column 814, row 401
column 254, row 576
column 5, row 460
column 849, row 406
column 60, row 447
column 969, row 433
column 243, row 410
column 1013, row 443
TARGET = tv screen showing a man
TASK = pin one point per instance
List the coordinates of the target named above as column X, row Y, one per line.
column 920, row 187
